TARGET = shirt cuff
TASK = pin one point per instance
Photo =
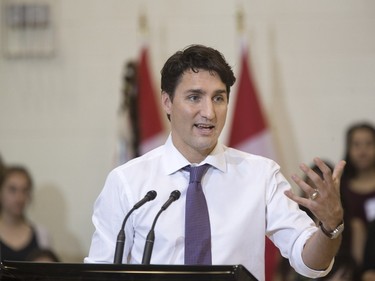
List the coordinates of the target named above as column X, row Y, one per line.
column 302, row 267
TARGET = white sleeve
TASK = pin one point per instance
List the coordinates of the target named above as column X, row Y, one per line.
column 289, row 227
column 109, row 210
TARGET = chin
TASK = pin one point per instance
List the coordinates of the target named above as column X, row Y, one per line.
column 206, row 148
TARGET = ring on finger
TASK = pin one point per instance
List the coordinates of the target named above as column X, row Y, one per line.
column 314, row 195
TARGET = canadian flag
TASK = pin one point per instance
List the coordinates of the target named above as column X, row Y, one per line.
column 151, row 129
column 249, row 133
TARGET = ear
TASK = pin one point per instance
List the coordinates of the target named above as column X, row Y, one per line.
column 166, row 102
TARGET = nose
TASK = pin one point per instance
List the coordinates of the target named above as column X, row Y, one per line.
column 208, row 109
column 21, row 196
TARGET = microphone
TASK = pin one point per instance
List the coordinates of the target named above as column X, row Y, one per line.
column 121, row 235
column 149, row 245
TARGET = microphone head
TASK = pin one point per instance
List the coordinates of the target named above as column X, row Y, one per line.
column 151, row 195
column 175, row 195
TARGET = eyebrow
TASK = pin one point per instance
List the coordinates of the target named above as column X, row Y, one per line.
column 200, row 91
column 194, row 91
column 221, row 91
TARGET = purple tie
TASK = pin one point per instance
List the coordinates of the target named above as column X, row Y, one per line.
column 197, row 221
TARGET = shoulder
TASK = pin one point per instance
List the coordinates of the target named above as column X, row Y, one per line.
column 240, row 157
column 42, row 235
column 135, row 168
column 148, row 157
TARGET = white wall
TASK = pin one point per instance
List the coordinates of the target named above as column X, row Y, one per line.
column 313, row 61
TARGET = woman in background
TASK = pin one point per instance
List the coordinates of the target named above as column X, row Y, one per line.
column 18, row 236
column 358, row 187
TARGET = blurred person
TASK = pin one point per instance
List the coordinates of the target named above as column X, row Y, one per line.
column 18, row 236
column 358, row 186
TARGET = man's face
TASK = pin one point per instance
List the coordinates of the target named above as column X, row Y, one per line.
column 198, row 113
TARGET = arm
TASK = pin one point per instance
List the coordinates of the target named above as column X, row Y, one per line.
column 358, row 239
column 369, row 275
column 319, row 250
column 109, row 211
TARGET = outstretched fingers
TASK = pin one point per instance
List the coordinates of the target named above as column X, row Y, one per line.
column 339, row 170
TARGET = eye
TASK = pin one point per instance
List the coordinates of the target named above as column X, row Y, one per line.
column 193, row 98
column 12, row 189
column 219, row 98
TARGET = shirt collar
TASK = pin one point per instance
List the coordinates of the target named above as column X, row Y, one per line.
column 174, row 161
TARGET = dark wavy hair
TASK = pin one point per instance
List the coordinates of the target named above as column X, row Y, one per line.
column 350, row 170
column 195, row 57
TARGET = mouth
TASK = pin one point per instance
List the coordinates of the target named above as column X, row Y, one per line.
column 204, row 127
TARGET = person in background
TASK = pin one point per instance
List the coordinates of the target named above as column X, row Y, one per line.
column 358, row 187
column 18, row 236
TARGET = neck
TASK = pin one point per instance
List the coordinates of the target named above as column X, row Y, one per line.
column 195, row 159
column 366, row 173
column 193, row 155
column 11, row 220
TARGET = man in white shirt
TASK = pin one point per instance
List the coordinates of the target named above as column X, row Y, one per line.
column 245, row 193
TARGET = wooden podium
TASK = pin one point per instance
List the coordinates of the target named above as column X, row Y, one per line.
column 35, row 271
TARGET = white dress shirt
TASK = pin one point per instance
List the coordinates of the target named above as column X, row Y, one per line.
column 245, row 199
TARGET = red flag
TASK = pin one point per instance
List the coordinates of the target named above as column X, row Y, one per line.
column 247, row 109
column 150, row 124
column 249, row 128
column 249, row 132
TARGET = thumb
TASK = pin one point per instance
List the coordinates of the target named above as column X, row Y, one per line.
column 339, row 169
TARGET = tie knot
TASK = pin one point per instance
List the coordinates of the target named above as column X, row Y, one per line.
column 197, row 172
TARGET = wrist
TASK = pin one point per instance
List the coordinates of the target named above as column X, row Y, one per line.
column 332, row 222
column 332, row 233
column 330, row 226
